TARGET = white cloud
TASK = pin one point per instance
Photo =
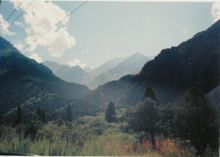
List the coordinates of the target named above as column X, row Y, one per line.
column 62, row 41
column 4, row 27
column 76, row 62
column 36, row 57
column 46, row 17
column 215, row 11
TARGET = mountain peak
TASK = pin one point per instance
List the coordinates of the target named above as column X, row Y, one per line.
column 137, row 54
column 77, row 67
column 136, row 57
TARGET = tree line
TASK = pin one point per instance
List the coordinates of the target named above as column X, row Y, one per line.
column 192, row 119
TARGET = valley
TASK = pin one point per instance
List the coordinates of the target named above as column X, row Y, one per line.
column 166, row 106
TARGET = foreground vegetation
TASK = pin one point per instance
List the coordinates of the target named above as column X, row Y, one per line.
column 187, row 128
column 93, row 136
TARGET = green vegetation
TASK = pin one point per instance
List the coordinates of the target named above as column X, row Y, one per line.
column 194, row 120
column 92, row 136
column 145, row 117
column 188, row 127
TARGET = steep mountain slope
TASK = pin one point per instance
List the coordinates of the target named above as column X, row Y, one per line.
column 69, row 74
column 23, row 80
column 192, row 63
column 132, row 65
column 189, row 63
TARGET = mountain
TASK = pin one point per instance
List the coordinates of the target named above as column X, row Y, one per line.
column 131, row 65
column 24, row 82
column 192, row 63
column 70, row 74
column 79, row 75
column 111, row 70
column 106, row 66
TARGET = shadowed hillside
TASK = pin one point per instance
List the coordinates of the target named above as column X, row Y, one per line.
column 22, row 79
column 193, row 63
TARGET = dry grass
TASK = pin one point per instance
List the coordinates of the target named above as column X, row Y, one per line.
column 124, row 145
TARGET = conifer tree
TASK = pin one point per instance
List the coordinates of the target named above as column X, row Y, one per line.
column 110, row 114
column 69, row 115
column 145, row 116
column 19, row 115
column 41, row 114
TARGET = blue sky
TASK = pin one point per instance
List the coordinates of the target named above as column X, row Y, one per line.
column 100, row 31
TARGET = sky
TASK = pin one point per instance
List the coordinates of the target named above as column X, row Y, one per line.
column 100, row 31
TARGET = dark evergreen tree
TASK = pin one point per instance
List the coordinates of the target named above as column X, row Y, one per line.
column 31, row 131
column 195, row 120
column 41, row 114
column 149, row 93
column 110, row 114
column 145, row 117
column 69, row 115
column 19, row 116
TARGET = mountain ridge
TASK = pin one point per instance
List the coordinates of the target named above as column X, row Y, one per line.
column 173, row 71
column 70, row 74
column 22, row 78
column 131, row 65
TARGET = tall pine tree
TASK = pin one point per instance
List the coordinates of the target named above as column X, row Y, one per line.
column 69, row 115
column 19, row 115
column 110, row 114
column 145, row 116
column 41, row 115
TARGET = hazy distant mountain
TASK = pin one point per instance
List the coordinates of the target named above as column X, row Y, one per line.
column 106, row 66
column 79, row 75
column 131, row 65
column 25, row 82
column 70, row 74
column 110, row 70
column 192, row 63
